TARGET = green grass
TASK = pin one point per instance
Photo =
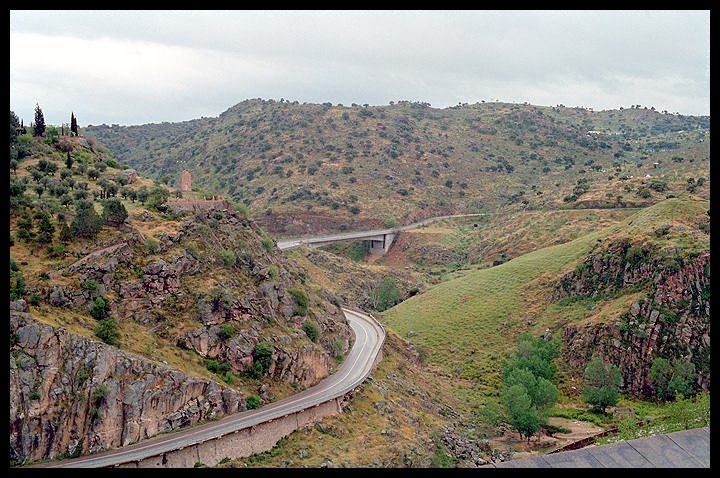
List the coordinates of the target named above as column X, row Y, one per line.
column 466, row 324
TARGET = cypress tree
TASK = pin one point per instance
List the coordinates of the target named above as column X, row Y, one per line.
column 39, row 121
column 73, row 124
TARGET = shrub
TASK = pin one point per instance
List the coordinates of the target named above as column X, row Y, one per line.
column 151, row 244
column 301, row 300
column 219, row 367
column 56, row 250
column 108, row 331
column 273, row 271
column 312, row 330
column 99, row 310
column 35, row 299
column 262, row 357
column 338, row 350
column 386, row 295
column 227, row 257
column 34, row 395
column 99, row 394
column 268, row 244
column 252, row 402
column 226, row 331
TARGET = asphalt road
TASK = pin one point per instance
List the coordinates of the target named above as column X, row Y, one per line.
column 369, row 338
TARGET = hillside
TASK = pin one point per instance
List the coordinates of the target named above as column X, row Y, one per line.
column 198, row 310
column 463, row 326
column 310, row 168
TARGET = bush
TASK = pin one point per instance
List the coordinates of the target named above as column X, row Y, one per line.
column 219, row 367
column 35, row 299
column 108, row 331
column 151, row 244
column 99, row 310
column 386, row 295
column 301, row 300
column 226, row 331
column 227, row 257
column 312, row 330
column 268, row 244
column 56, row 250
column 99, row 394
column 273, row 271
column 34, row 395
column 339, row 350
column 252, row 402
column 262, row 357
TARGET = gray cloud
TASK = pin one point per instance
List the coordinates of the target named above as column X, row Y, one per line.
column 134, row 67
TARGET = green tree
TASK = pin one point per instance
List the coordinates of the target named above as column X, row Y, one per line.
column 87, row 222
column 66, row 234
column 39, row 121
column 660, row 375
column 521, row 414
column 69, row 161
column 14, row 165
column 99, row 309
column 114, row 212
column 262, row 359
column 683, row 376
column 157, row 197
column 252, row 402
column 108, row 331
column 143, row 194
column 536, row 355
column 602, row 384
column 14, row 124
column 46, row 229
column 386, row 295
column 73, row 124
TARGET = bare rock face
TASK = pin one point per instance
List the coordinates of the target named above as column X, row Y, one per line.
column 71, row 394
column 672, row 321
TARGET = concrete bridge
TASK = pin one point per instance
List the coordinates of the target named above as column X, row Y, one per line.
column 380, row 239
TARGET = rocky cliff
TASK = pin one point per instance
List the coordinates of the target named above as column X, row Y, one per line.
column 672, row 320
column 71, row 395
column 214, row 285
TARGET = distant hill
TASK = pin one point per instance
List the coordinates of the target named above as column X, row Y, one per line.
column 329, row 166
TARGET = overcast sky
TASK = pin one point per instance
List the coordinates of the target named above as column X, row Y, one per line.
column 135, row 67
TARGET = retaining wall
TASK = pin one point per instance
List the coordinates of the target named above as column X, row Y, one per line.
column 241, row 443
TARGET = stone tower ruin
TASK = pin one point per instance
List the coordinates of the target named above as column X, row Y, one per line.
column 186, row 182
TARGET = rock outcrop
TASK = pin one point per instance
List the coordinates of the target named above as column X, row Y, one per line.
column 672, row 321
column 72, row 395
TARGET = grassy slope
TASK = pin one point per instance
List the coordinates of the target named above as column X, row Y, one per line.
column 464, row 325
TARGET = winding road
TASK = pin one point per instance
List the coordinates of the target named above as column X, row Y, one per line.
column 359, row 362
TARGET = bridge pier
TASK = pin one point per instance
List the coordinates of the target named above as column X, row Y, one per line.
column 378, row 247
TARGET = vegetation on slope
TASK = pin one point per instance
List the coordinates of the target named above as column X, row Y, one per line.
column 326, row 165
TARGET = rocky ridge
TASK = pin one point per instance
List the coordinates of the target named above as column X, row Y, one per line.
column 72, row 395
column 672, row 321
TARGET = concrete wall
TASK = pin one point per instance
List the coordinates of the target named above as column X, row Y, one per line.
column 241, row 443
